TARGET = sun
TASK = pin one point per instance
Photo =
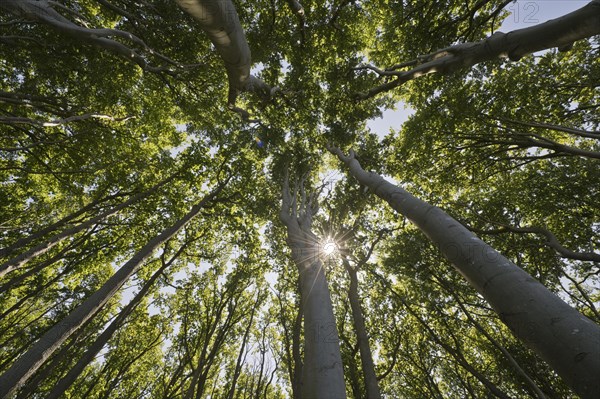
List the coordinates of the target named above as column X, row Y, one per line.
column 329, row 247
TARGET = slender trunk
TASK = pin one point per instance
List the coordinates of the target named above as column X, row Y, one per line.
column 91, row 352
column 352, row 374
column 24, row 367
column 19, row 279
column 238, row 364
column 260, row 381
column 297, row 356
column 516, row 366
column 32, row 294
column 456, row 353
column 270, row 382
column 366, row 357
column 44, row 247
column 562, row 336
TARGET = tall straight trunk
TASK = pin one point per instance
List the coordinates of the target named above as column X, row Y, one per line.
column 562, row 336
column 44, row 247
column 296, row 376
column 456, row 353
column 19, row 279
column 25, row 366
column 516, row 366
column 366, row 357
column 322, row 371
column 241, row 356
column 59, row 389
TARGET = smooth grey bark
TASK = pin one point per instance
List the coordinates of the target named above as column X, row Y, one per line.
column 322, row 370
column 563, row 337
column 558, row 33
column 516, row 366
column 26, row 365
column 21, row 259
column 242, row 352
column 61, row 386
column 366, row 357
column 41, row 11
column 220, row 21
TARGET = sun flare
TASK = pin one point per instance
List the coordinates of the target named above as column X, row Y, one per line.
column 329, row 247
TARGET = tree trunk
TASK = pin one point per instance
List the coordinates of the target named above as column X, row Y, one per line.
column 322, row 371
column 511, row 360
column 59, row 389
column 297, row 356
column 562, row 336
column 241, row 357
column 24, row 367
column 19, row 279
column 41, row 11
column 21, row 242
column 366, row 357
column 220, row 21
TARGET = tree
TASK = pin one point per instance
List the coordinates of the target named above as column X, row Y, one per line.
column 102, row 100
column 567, row 340
column 322, row 375
column 26, row 365
column 560, row 33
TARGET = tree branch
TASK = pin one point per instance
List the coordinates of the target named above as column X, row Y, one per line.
column 558, row 33
column 552, row 241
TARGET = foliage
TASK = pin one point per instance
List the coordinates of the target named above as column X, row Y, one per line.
column 81, row 128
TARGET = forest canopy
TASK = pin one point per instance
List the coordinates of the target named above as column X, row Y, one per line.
column 195, row 202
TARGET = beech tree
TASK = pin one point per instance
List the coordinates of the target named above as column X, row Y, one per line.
column 118, row 117
column 322, row 374
column 560, row 334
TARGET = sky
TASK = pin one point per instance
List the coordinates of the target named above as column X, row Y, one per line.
column 524, row 14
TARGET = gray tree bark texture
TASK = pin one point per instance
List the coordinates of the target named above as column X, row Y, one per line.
column 568, row 341
column 558, row 33
column 75, row 371
column 362, row 337
column 41, row 11
column 322, row 371
column 26, row 365
column 220, row 21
